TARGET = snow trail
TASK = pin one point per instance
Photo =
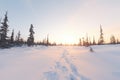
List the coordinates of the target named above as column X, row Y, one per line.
column 60, row 63
column 64, row 69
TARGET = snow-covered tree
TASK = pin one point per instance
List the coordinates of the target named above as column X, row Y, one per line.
column 4, row 31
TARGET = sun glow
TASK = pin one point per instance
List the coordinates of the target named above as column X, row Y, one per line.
column 68, row 39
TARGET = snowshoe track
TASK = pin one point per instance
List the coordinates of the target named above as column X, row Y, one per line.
column 65, row 69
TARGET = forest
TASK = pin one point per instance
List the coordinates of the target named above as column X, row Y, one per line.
column 16, row 40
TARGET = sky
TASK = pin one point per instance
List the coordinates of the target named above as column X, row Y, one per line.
column 65, row 21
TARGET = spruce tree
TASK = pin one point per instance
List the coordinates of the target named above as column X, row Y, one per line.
column 83, row 41
column 94, row 43
column 117, row 41
column 4, row 31
column 17, row 39
column 0, row 20
column 47, row 43
column 101, row 39
column 87, row 41
column 12, row 37
column 80, row 42
column 30, row 40
column 112, row 39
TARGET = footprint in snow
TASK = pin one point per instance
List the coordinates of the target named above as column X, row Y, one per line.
column 51, row 75
column 61, row 67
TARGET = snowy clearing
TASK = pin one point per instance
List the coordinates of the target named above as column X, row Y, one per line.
column 60, row 63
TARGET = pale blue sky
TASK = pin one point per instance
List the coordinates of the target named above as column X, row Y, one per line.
column 64, row 20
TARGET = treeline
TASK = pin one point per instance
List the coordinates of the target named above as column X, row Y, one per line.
column 11, row 41
column 86, row 41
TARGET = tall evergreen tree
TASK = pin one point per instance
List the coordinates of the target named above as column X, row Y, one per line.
column 80, row 42
column 94, row 43
column 30, row 40
column 12, row 37
column 4, row 30
column 101, row 39
column 117, row 41
column 0, row 20
column 18, row 37
column 0, row 31
column 83, row 41
column 47, row 42
column 87, row 41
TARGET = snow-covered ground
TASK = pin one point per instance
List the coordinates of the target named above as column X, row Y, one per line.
column 60, row 63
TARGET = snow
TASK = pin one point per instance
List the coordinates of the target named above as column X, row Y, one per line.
column 60, row 63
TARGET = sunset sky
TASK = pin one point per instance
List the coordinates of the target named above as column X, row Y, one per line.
column 64, row 20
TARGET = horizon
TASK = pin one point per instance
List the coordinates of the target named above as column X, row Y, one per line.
column 65, row 21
